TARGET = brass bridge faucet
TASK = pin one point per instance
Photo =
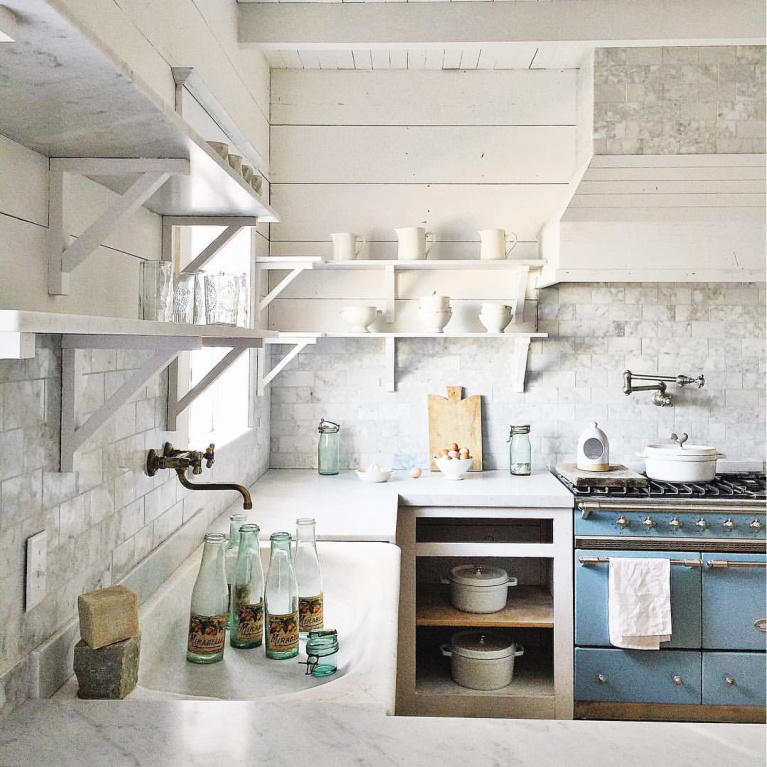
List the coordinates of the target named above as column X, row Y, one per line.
column 181, row 460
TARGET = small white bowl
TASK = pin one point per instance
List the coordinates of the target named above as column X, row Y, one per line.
column 374, row 474
column 455, row 468
column 359, row 318
column 434, row 322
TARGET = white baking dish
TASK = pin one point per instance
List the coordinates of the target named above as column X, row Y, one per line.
column 481, row 660
column 685, row 463
column 479, row 588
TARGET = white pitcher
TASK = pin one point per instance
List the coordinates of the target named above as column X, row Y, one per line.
column 347, row 245
column 412, row 243
column 496, row 244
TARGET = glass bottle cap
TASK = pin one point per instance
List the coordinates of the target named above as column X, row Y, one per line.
column 328, row 427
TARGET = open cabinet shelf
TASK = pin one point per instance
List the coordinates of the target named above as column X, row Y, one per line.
column 527, row 607
column 317, row 262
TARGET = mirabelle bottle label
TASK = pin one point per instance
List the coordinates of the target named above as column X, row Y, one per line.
column 250, row 622
column 283, row 632
column 310, row 613
column 207, row 634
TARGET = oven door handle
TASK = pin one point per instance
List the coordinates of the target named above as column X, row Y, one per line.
column 721, row 563
column 585, row 561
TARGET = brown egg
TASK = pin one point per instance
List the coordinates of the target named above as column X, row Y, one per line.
column 453, row 454
column 442, row 453
column 454, row 446
column 415, row 472
column 464, row 450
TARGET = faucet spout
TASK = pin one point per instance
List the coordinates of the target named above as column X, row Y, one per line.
column 247, row 503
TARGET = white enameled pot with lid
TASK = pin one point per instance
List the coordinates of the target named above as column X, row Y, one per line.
column 481, row 660
column 681, row 463
column 479, row 588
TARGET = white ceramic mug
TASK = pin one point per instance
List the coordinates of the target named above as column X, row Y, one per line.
column 413, row 241
column 496, row 244
column 347, row 245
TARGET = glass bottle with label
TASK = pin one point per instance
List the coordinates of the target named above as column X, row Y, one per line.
column 207, row 622
column 327, row 448
column 520, row 452
column 309, row 577
column 247, row 608
column 281, row 601
column 230, row 557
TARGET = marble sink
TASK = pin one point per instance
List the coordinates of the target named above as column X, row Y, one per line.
column 361, row 586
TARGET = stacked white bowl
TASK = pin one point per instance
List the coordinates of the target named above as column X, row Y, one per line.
column 359, row 318
column 435, row 312
column 494, row 316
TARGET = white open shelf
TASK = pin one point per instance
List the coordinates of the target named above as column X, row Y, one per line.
column 317, row 262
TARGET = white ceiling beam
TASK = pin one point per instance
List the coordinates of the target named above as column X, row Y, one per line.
column 423, row 25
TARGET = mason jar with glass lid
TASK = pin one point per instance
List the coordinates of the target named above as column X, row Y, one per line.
column 520, row 452
column 327, row 449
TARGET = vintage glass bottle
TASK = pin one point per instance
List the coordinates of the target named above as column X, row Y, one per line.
column 520, row 452
column 247, row 608
column 230, row 557
column 207, row 622
column 281, row 601
column 309, row 577
column 327, row 448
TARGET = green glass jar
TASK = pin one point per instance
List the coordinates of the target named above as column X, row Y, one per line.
column 520, row 452
column 327, row 448
column 322, row 652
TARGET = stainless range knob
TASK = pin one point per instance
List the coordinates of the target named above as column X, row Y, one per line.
column 701, row 524
column 601, row 678
column 675, row 524
column 648, row 523
column 677, row 679
column 755, row 525
column 730, row 681
column 728, row 525
column 622, row 522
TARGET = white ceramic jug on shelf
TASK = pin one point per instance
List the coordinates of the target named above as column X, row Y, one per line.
column 413, row 241
column 346, row 245
column 496, row 244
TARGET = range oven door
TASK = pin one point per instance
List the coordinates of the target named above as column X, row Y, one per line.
column 734, row 609
column 591, row 628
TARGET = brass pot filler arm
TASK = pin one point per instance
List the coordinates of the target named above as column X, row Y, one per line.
column 661, row 398
column 181, row 460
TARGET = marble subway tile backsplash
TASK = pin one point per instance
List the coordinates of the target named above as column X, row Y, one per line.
column 707, row 100
column 596, row 332
column 104, row 518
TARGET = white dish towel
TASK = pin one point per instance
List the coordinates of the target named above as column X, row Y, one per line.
column 639, row 602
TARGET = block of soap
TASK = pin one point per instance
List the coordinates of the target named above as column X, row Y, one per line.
column 108, row 615
column 109, row 672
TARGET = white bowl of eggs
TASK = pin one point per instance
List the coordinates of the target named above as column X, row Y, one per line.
column 454, row 462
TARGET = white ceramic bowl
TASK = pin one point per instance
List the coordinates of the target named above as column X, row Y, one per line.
column 374, row 474
column 434, row 322
column 358, row 318
column 495, row 317
column 435, row 303
column 454, row 468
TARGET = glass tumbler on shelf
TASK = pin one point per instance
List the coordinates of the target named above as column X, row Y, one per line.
column 221, row 298
column 156, row 299
column 243, row 301
column 520, row 452
column 199, row 298
column 183, row 297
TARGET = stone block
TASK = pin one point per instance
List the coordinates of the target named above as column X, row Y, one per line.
column 108, row 616
column 108, row 672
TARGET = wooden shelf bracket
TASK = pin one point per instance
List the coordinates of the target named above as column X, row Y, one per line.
column 64, row 257
column 298, row 344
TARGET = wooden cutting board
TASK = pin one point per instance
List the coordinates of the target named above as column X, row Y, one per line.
column 453, row 419
column 618, row 476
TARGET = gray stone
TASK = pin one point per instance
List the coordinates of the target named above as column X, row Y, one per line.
column 109, row 672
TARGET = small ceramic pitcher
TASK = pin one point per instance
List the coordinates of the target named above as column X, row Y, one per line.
column 413, row 241
column 347, row 245
column 496, row 244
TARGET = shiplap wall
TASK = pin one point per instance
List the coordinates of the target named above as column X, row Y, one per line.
column 453, row 151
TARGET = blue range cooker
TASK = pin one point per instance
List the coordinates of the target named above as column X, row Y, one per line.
column 713, row 669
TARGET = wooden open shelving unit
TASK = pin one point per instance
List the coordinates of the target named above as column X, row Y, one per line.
column 527, row 607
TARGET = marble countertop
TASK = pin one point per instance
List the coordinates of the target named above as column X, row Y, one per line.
column 347, row 509
column 200, row 734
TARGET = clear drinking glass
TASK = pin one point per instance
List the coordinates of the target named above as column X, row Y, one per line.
column 156, row 301
column 243, row 301
column 183, row 297
column 221, row 298
column 200, row 317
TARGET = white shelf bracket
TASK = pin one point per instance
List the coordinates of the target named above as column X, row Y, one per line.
column 264, row 378
column 280, row 286
column 64, row 257
column 390, row 362
column 166, row 349
column 519, row 303
column 519, row 363
column 177, row 405
column 390, row 284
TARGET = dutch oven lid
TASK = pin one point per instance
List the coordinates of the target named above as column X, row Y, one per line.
column 683, row 451
column 486, row 645
column 479, row 575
